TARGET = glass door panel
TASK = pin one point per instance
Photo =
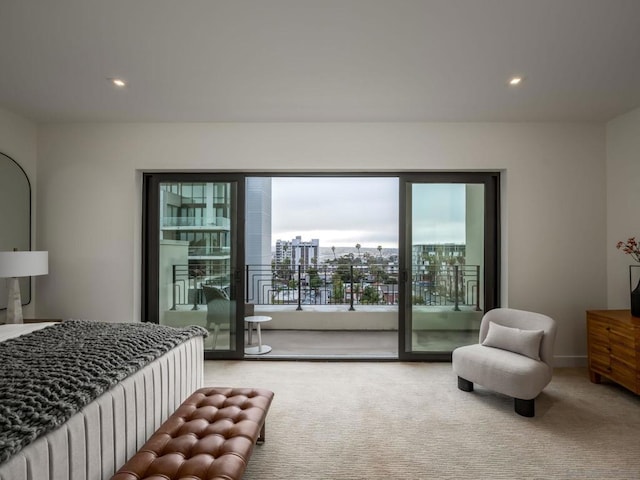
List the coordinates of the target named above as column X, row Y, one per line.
column 445, row 259
column 194, row 258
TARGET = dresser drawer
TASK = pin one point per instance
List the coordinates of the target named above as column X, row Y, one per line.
column 613, row 338
column 598, row 330
column 600, row 353
column 623, row 336
column 623, row 374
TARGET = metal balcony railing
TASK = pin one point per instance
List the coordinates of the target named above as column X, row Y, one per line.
column 333, row 284
column 187, row 281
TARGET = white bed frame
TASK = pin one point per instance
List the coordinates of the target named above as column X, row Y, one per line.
column 99, row 439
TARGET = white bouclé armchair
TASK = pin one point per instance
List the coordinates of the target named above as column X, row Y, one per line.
column 514, row 356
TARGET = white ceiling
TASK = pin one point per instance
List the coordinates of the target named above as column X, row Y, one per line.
column 320, row 60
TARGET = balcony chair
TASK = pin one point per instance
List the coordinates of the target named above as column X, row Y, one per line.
column 514, row 356
column 218, row 309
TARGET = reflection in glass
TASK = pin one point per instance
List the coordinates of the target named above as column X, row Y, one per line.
column 447, row 265
column 195, row 259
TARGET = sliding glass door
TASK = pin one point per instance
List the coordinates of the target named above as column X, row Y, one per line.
column 199, row 270
column 192, row 260
column 449, row 257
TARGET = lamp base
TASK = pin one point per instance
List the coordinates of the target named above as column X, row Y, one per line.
column 14, row 302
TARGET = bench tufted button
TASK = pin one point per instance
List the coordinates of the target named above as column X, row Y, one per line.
column 211, row 435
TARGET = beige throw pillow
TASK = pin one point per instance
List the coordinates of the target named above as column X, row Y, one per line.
column 524, row 342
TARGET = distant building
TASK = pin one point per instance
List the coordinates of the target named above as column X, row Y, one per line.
column 283, row 252
column 436, row 253
column 296, row 252
column 257, row 234
column 258, row 221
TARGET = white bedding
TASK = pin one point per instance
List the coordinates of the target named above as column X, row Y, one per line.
column 99, row 439
column 11, row 330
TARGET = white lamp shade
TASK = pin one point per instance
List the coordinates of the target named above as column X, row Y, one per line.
column 23, row 264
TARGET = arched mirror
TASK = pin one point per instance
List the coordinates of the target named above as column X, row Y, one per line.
column 15, row 219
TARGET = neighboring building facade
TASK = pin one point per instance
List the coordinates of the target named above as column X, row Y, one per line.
column 283, row 252
column 437, row 253
column 198, row 215
column 297, row 252
column 257, row 249
column 258, row 221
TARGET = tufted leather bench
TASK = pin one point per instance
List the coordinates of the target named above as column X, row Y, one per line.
column 209, row 437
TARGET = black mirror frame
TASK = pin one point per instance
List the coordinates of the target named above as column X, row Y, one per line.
column 25, row 284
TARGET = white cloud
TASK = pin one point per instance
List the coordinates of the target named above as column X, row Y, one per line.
column 343, row 211
column 338, row 211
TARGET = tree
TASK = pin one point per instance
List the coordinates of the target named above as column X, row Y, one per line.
column 380, row 250
column 333, row 249
column 378, row 273
column 358, row 248
column 338, row 289
column 344, row 269
column 370, row 295
column 315, row 281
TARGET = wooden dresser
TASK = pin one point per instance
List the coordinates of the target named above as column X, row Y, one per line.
column 613, row 338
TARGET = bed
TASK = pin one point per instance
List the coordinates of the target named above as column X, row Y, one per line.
column 96, row 440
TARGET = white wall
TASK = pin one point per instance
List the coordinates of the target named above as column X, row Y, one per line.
column 623, row 202
column 18, row 139
column 553, row 199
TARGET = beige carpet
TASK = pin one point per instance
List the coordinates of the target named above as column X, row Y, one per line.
column 352, row 420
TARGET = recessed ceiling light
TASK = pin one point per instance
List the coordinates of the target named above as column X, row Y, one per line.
column 515, row 80
column 118, row 82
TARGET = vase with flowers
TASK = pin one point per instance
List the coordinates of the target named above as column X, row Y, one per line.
column 630, row 247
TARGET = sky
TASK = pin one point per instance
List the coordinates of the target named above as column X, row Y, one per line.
column 438, row 213
column 344, row 211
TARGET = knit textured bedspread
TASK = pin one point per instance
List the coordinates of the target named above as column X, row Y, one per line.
column 48, row 375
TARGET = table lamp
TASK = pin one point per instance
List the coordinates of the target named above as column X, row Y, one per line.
column 20, row 264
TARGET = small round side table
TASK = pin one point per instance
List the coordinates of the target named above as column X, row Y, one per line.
column 257, row 320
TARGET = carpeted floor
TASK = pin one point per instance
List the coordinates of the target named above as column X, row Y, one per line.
column 367, row 421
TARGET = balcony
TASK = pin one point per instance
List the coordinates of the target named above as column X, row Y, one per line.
column 321, row 311
column 350, row 285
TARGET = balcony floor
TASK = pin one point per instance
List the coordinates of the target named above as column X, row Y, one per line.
column 357, row 343
column 352, row 344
